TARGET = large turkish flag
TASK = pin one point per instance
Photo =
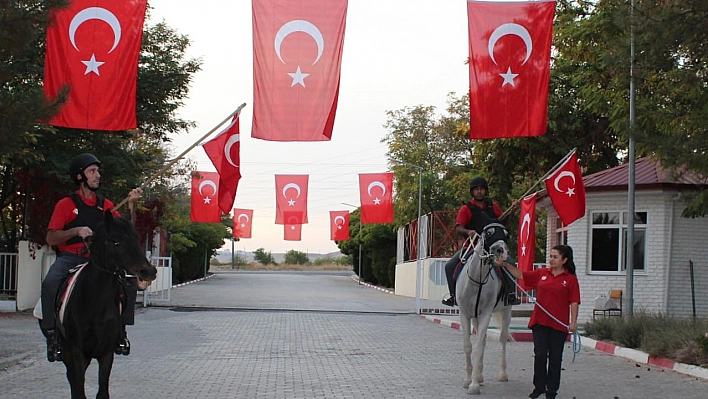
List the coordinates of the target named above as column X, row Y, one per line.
column 566, row 189
column 93, row 48
column 297, row 57
column 376, row 196
column 510, row 52
column 224, row 152
column 291, row 199
column 205, row 189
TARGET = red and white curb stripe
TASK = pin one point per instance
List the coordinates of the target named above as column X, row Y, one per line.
column 193, row 281
column 644, row 358
column 356, row 278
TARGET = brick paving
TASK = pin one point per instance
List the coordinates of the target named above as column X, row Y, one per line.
column 312, row 335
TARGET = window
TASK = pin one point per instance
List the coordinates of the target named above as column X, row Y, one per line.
column 609, row 240
column 561, row 233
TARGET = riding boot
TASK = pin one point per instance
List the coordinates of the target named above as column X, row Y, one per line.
column 450, row 301
column 53, row 348
column 123, row 347
column 510, row 297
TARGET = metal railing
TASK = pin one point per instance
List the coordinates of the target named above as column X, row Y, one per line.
column 8, row 276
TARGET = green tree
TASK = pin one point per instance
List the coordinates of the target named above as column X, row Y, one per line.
column 263, row 257
column 294, row 257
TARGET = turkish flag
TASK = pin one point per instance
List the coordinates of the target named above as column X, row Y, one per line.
column 527, row 233
column 243, row 221
column 205, row 189
column 292, row 232
column 567, row 191
column 510, row 54
column 339, row 225
column 297, row 57
column 93, row 47
column 376, row 196
column 224, row 152
column 291, row 199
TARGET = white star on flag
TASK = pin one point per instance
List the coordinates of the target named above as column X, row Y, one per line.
column 207, row 200
column 298, row 77
column 377, row 201
column 571, row 191
column 508, row 77
column 291, row 202
column 92, row 65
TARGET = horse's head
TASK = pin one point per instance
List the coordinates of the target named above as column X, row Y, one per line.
column 116, row 248
column 495, row 236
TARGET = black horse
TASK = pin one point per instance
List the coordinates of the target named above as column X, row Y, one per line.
column 91, row 325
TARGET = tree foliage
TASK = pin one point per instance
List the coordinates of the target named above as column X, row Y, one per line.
column 263, row 257
column 294, row 257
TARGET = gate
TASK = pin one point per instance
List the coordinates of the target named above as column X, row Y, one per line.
column 161, row 289
column 8, row 276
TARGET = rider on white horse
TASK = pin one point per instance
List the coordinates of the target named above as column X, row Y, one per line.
column 472, row 217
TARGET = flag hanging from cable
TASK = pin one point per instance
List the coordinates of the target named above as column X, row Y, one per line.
column 339, row 225
column 243, row 222
column 92, row 49
column 291, row 199
column 510, row 55
column 376, row 196
column 292, row 232
column 297, row 58
column 224, row 151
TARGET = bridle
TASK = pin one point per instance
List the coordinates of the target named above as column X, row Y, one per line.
column 117, row 271
column 485, row 258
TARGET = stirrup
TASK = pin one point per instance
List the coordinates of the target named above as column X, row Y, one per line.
column 450, row 301
column 54, row 353
column 511, row 300
column 123, row 347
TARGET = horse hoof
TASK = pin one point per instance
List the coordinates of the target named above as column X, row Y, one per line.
column 503, row 377
column 466, row 384
column 474, row 391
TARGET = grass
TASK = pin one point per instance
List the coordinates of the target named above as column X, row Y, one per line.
column 681, row 340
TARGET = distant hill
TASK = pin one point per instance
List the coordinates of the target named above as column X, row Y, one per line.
column 224, row 256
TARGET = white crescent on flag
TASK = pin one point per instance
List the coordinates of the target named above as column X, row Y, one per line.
column 376, row 184
column 207, row 183
column 289, row 186
column 227, row 148
column 571, row 189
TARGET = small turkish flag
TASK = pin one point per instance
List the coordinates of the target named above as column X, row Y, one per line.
column 297, row 58
column 567, row 192
column 291, row 199
column 510, row 64
column 93, row 48
column 376, row 196
column 292, row 232
column 243, row 222
column 339, row 225
column 205, row 189
column 224, row 152
column 527, row 234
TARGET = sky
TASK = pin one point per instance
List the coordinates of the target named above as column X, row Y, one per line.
column 396, row 54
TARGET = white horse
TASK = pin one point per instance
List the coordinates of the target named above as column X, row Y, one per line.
column 478, row 297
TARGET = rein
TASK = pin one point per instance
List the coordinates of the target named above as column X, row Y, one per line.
column 484, row 258
column 116, row 272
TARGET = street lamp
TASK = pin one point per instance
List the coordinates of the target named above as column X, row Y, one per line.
column 344, row 203
column 418, row 264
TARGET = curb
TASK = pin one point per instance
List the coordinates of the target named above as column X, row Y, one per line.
column 356, row 278
column 644, row 358
column 493, row 333
column 193, row 281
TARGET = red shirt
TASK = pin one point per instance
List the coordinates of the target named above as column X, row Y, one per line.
column 555, row 294
column 65, row 211
column 464, row 215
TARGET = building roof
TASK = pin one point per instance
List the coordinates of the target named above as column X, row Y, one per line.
column 648, row 174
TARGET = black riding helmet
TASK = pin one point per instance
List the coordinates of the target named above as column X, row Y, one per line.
column 479, row 181
column 80, row 163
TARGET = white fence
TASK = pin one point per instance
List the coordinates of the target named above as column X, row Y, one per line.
column 161, row 289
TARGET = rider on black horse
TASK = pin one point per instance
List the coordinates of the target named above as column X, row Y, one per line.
column 472, row 218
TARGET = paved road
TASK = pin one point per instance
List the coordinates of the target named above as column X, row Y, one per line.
column 314, row 335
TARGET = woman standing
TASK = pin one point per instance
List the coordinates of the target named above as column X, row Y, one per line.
column 558, row 292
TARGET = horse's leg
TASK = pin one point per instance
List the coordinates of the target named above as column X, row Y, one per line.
column 467, row 345
column 75, row 371
column 480, row 324
column 504, row 320
column 105, row 364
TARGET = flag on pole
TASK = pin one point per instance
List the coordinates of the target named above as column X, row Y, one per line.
column 291, row 199
column 527, row 234
column 566, row 189
column 292, row 232
column 297, row 57
column 224, row 151
column 376, row 196
column 93, row 48
column 243, row 222
column 510, row 55
column 205, row 189
column 339, row 225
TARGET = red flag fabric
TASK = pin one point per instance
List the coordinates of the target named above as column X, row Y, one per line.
column 205, row 189
column 292, row 232
column 243, row 222
column 376, row 196
column 291, row 199
column 93, row 47
column 339, row 225
column 224, row 151
column 297, row 57
column 510, row 53
column 527, row 234
column 567, row 191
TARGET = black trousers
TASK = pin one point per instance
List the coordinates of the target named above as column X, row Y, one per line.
column 450, row 270
column 548, row 346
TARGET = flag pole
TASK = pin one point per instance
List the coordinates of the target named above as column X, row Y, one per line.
column 180, row 156
column 542, row 178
